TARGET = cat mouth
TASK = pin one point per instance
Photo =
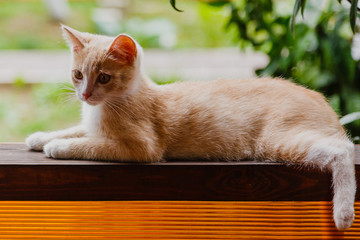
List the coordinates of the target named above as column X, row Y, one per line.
column 90, row 101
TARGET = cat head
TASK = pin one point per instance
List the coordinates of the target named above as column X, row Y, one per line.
column 103, row 67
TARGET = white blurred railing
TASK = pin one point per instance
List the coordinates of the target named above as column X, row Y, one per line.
column 195, row 65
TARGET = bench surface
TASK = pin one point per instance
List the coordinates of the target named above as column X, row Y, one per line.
column 178, row 200
column 28, row 175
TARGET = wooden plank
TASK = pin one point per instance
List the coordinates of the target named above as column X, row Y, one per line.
column 18, row 154
column 167, row 220
column 26, row 175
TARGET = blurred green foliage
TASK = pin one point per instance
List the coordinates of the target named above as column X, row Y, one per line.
column 167, row 80
column 200, row 26
column 28, row 25
column 317, row 54
column 41, row 107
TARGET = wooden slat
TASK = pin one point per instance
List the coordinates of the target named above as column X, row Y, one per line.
column 209, row 200
column 170, row 220
column 26, row 175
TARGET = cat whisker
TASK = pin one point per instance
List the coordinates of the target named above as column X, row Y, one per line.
column 67, row 92
column 109, row 105
column 69, row 99
column 68, row 96
column 118, row 109
column 66, row 86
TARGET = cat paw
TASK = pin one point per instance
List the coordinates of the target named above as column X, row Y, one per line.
column 58, row 148
column 344, row 218
column 36, row 141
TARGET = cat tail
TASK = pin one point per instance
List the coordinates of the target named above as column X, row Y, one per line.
column 338, row 155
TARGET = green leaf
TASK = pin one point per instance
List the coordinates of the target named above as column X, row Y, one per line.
column 299, row 4
column 173, row 4
column 353, row 13
column 303, row 2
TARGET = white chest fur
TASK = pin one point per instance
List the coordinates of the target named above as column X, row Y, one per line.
column 91, row 117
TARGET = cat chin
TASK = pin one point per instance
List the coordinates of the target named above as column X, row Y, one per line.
column 91, row 103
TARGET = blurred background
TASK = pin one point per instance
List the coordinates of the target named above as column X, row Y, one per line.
column 207, row 41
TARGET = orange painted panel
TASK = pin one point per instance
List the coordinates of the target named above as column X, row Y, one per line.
column 170, row 220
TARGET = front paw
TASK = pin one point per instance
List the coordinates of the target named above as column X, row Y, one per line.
column 58, row 148
column 36, row 141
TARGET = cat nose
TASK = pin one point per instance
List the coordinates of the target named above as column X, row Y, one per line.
column 86, row 95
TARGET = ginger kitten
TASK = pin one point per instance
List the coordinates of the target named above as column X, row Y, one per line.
column 126, row 117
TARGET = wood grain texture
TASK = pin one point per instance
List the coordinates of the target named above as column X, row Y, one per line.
column 26, row 175
column 42, row 198
column 171, row 220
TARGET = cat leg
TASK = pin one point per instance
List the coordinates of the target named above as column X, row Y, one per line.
column 97, row 148
column 37, row 141
column 338, row 156
column 334, row 153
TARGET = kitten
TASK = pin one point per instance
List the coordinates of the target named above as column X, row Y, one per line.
column 126, row 117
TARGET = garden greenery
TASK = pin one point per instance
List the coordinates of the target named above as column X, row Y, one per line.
column 314, row 51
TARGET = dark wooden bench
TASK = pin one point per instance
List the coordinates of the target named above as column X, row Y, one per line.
column 231, row 200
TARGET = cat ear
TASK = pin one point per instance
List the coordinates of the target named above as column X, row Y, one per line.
column 74, row 38
column 123, row 49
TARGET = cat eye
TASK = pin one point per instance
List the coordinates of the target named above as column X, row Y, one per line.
column 103, row 78
column 77, row 74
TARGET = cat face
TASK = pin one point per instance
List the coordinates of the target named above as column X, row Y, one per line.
column 103, row 68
